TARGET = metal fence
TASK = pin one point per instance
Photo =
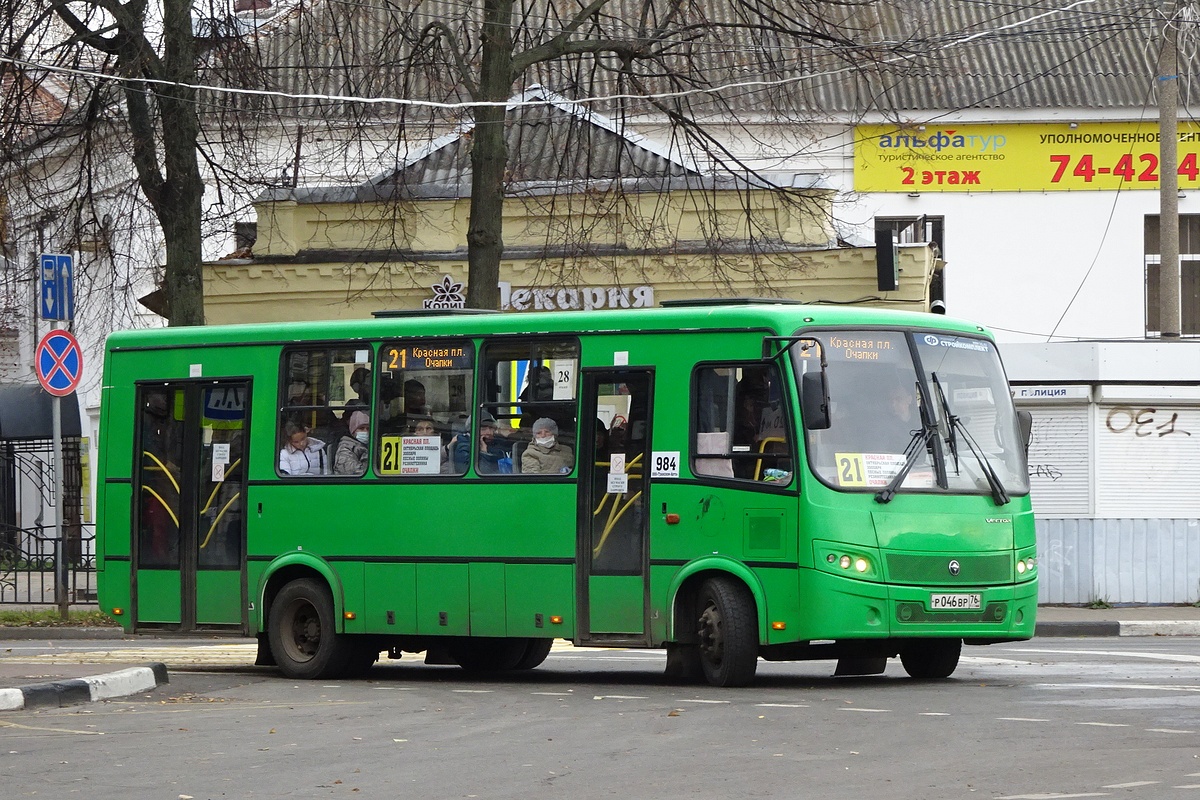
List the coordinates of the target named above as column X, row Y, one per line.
column 27, row 566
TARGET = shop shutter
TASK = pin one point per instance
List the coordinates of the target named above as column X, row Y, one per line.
column 1059, row 460
column 1147, row 461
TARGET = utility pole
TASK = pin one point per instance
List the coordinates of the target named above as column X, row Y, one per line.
column 1168, row 166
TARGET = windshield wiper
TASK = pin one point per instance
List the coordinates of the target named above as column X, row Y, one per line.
column 953, row 423
column 919, row 442
column 951, row 420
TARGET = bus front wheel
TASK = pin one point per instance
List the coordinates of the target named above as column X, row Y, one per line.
column 728, row 633
column 930, row 659
column 302, row 635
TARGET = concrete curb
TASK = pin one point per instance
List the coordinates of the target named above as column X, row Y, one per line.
column 52, row 633
column 58, row 694
column 1119, row 628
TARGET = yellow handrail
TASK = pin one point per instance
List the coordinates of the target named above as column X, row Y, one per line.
column 163, row 467
column 163, row 503
column 217, row 519
column 761, row 450
column 220, row 483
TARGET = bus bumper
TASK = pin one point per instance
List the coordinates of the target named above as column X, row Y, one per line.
column 852, row 609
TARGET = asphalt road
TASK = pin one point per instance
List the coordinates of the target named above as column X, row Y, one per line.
column 1049, row 718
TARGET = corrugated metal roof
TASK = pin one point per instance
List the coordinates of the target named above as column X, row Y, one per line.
column 913, row 55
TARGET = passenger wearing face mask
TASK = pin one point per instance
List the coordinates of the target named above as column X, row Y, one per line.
column 351, row 455
column 544, row 455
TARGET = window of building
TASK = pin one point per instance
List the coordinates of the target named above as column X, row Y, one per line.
column 424, row 406
column 321, row 389
column 741, row 426
column 1189, row 275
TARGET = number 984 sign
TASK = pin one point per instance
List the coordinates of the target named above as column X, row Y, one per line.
column 664, row 464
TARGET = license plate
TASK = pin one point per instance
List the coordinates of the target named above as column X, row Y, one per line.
column 944, row 602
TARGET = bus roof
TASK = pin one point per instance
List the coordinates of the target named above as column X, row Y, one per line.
column 782, row 318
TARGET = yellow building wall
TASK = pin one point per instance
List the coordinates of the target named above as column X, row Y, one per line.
column 304, row 265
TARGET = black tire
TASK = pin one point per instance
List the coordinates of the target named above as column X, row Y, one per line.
column 931, row 659
column 485, row 654
column 302, row 632
column 728, row 631
column 535, row 653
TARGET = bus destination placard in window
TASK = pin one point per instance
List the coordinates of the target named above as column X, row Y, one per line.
column 426, row 357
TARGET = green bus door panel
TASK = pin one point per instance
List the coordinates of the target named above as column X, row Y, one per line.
column 159, row 597
column 218, row 597
column 189, row 484
column 614, row 485
column 616, row 603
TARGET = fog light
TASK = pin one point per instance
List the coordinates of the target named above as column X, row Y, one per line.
column 860, row 564
column 845, row 562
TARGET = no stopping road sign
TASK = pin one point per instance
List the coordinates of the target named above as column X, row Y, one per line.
column 59, row 363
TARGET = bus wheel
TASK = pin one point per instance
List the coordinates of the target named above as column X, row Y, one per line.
column 930, row 659
column 483, row 654
column 535, row 653
column 728, row 633
column 302, row 634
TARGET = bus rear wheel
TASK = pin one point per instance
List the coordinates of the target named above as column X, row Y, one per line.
column 536, row 652
column 301, row 632
column 930, row 659
column 728, row 633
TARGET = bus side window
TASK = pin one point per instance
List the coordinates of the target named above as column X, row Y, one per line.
column 320, row 388
column 529, row 384
column 741, row 423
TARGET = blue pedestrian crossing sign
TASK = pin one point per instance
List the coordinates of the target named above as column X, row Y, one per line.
column 58, row 287
column 59, row 363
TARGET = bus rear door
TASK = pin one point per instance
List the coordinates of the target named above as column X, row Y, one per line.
column 189, row 550
column 612, row 552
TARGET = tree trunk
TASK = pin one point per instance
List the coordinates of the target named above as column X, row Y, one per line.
column 179, row 210
column 489, row 157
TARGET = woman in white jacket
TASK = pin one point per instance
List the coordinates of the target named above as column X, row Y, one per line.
column 302, row 455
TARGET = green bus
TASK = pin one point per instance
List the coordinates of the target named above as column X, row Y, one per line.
column 726, row 480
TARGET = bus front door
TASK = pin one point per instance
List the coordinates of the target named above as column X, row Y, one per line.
column 613, row 553
column 189, row 483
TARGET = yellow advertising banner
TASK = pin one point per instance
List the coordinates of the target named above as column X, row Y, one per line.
column 1017, row 157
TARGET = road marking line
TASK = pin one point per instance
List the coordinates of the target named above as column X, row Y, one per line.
column 555, row 694
column 1104, row 724
column 1130, row 785
column 1151, row 656
column 781, row 705
column 869, row 710
column 1168, row 730
column 1188, row 786
column 1149, row 687
column 1022, row 719
column 933, row 714
column 50, row 730
column 713, row 702
column 473, row 691
column 619, row 697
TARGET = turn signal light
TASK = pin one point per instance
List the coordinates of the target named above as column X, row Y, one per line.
column 349, row 615
column 118, row 612
column 672, row 519
column 556, row 620
column 778, row 626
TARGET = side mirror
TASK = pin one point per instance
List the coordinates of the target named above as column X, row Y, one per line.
column 814, row 401
column 1025, row 423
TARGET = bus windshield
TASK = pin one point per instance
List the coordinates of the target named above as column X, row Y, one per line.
column 933, row 408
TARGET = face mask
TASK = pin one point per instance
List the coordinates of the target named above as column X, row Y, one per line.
column 544, row 442
column 362, row 436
